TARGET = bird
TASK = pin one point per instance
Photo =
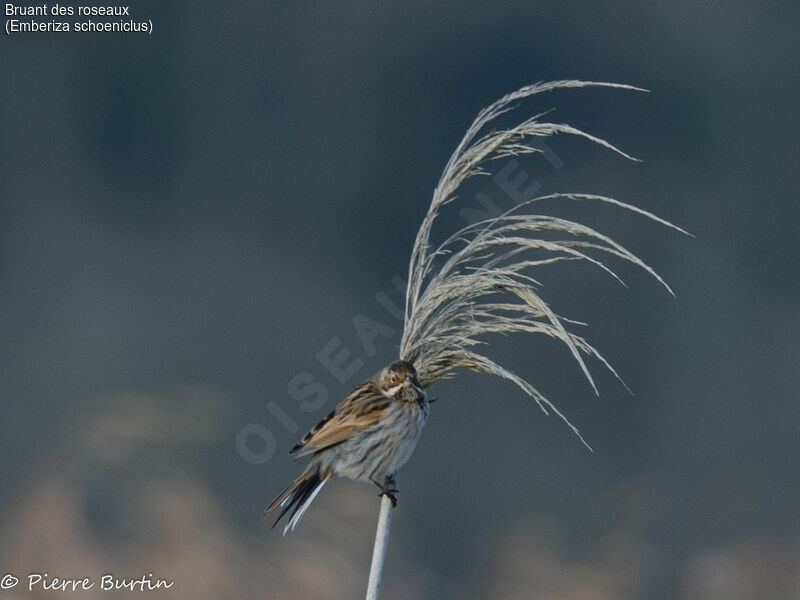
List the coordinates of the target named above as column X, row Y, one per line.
column 474, row 283
column 367, row 437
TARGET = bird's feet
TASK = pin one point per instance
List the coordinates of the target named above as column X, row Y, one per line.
column 388, row 489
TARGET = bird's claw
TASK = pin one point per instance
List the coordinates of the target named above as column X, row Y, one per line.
column 389, row 492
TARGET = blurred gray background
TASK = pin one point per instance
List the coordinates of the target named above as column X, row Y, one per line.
column 188, row 218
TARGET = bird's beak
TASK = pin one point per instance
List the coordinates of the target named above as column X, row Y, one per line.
column 413, row 387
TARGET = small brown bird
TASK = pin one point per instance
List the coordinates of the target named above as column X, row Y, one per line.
column 367, row 437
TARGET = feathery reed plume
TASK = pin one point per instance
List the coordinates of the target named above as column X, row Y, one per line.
column 477, row 281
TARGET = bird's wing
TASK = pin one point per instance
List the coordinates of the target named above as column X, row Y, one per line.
column 360, row 409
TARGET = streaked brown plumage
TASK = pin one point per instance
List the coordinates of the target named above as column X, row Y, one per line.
column 367, row 437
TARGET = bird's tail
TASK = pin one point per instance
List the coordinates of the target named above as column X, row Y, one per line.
column 298, row 496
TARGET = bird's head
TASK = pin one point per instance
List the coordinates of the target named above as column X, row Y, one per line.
column 398, row 381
